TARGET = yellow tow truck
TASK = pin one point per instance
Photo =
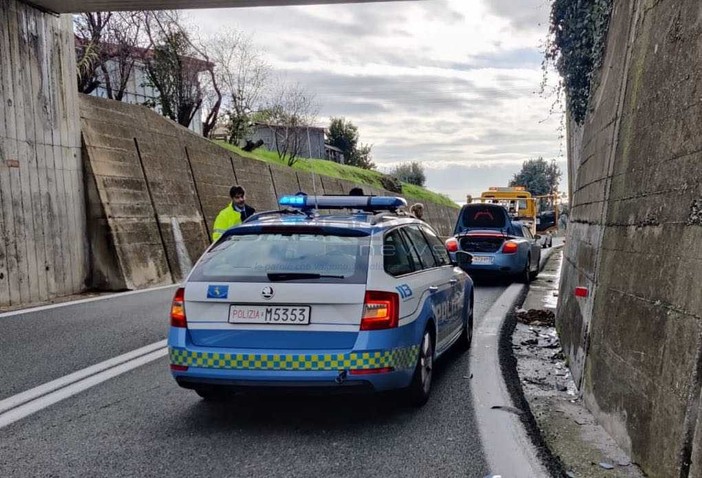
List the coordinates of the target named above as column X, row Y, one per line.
column 521, row 206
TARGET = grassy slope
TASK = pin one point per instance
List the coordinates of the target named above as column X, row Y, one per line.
column 341, row 171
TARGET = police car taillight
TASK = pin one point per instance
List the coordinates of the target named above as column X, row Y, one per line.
column 381, row 310
column 452, row 244
column 178, row 309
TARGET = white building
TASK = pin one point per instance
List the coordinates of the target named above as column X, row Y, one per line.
column 311, row 140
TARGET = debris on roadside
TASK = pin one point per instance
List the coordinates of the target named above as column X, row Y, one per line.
column 506, row 408
column 537, row 317
column 569, row 430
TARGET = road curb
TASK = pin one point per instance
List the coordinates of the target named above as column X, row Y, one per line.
column 507, row 444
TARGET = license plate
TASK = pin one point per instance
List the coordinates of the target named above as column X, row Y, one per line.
column 482, row 259
column 274, row 314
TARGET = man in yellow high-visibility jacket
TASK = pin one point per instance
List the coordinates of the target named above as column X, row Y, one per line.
column 234, row 214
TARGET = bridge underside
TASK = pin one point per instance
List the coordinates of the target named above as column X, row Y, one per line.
column 75, row 6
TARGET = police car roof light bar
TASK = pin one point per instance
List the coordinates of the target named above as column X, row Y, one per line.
column 367, row 203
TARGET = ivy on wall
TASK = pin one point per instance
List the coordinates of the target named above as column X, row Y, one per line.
column 576, row 47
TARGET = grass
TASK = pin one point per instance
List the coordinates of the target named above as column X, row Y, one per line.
column 342, row 171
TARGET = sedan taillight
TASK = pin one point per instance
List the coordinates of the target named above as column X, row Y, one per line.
column 452, row 244
column 510, row 247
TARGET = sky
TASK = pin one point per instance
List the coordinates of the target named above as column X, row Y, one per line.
column 453, row 84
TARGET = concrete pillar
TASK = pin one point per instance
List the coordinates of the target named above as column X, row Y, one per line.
column 42, row 207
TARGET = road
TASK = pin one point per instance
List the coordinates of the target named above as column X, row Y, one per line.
column 141, row 424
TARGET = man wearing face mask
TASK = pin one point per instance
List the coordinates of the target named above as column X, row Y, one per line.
column 234, row 214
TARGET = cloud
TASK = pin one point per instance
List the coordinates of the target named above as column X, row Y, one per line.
column 523, row 14
column 443, row 11
column 459, row 180
column 450, row 83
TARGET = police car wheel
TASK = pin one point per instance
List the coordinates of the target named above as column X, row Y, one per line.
column 211, row 394
column 420, row 388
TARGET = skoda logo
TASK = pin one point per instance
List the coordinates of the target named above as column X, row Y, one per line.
column 267, row 292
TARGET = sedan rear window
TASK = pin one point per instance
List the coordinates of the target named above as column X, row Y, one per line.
column 286, row 257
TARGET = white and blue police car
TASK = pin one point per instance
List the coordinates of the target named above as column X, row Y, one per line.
column 367, row 298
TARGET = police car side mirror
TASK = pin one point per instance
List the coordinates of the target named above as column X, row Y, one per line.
column 463, row 260
column 537, row 237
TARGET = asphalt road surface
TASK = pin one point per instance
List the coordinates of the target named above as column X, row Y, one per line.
column 141, row 424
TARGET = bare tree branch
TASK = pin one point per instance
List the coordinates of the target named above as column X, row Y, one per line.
column 107, row 47
column 174, row 66
column 89, row 29
column 243, row 76
column 291, row 113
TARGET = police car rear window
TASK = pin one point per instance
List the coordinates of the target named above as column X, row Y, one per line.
column 293, row 257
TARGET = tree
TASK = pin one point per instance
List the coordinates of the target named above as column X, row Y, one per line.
column 362, row 157
column 412, row 173
column 343, row 134
column 538, row 176
column 121, row 52
column 108, row 45
column 243, row 75
column 88, row 29
column 173, row 68
column 291, row 111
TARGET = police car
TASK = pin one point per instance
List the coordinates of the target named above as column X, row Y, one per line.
column 365, row 299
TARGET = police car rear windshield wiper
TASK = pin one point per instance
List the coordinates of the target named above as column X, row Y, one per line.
column 283, row 276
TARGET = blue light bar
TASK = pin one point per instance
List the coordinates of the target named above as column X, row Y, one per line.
column 366, row 203
column 294, row 201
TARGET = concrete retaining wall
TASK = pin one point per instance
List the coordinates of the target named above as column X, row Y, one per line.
column 42, row 214
column 142, row 193
column 635, row 345
column 155, row 188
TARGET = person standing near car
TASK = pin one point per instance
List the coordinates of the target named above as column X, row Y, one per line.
column 234, row 214
column 417, row 210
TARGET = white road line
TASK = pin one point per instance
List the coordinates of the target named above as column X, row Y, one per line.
column 36, row 393
column 41, row 403
column 85, row 301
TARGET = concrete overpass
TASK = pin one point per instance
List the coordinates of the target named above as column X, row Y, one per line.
column 76, row 6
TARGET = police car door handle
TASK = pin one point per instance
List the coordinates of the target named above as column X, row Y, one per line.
column 453, row 281
column 433, row 289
